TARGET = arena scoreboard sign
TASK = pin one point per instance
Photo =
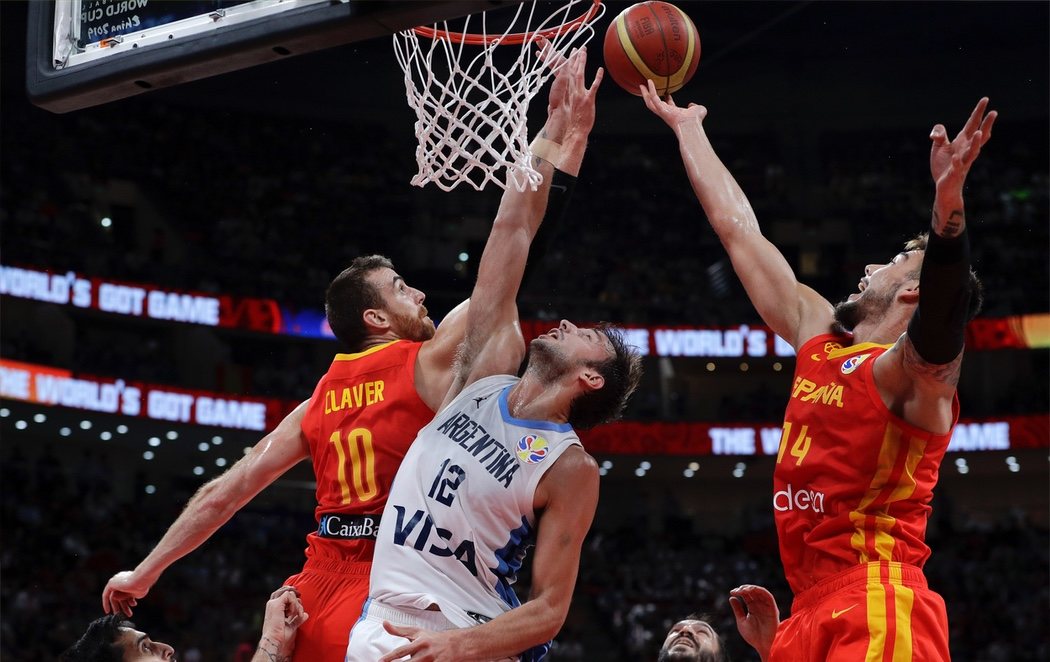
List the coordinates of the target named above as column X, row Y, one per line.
column 269, row 316
column 50, row 386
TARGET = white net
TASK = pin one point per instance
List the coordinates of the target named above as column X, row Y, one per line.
column 472, row 103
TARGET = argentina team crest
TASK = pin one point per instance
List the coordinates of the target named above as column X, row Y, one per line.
column 532, row 448
column 852, row 363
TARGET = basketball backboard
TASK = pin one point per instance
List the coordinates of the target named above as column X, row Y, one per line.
column 83, row 53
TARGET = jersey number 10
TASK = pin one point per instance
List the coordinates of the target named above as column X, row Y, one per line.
column 358, row 447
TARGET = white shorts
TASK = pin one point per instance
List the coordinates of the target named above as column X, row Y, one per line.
column 369, row 641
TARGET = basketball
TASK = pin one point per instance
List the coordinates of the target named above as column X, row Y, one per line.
column 652, row 41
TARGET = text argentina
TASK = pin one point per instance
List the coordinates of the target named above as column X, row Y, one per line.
column 472, row 437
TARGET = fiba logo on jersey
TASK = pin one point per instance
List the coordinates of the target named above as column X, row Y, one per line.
column 852, row 363
column 532, row 449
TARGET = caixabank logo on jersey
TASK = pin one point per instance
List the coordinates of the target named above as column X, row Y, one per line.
column 532, row 448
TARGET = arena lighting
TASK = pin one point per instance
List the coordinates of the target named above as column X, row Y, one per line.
column 247, row 449
column 463, row 257
column 607, row 464
column 150, row 489
column 777, row 367
column 688, row 473
column 216, row 440
column 602, row 471
column 172, row 434
column 64, row 431
column 203, row 446
column 198, row 471
column 220, row 462
column 122, row 429
column 639, row 472
column 106, row 222
column 5, row 412
column 105, row 435
column 154, row 441
column 710, row 367
column 21, row 425
column 39, row 418
column 148, row 455
column 694, row 466
column 744, row 367
column 85, row 424
column 646, row 465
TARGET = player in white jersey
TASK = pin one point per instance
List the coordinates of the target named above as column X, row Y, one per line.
column 500, row 466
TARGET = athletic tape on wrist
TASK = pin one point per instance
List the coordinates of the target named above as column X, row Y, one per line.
column 548, row 150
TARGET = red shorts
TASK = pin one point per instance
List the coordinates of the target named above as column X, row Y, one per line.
column 876, row 612
column 332, row 592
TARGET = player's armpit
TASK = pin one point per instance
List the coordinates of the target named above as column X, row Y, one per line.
column 922, row 370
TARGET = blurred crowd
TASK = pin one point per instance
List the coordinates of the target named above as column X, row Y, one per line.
column 67, row 527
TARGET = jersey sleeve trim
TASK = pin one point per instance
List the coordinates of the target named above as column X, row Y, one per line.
column 370, row 350
column 504, row 411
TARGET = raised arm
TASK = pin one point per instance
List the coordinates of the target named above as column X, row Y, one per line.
column 435, row 362
column 793, row 310
column 567, row 497
column 493, row 343
column 281, row 620
column 211, row 507
column 920, row 374
column 757, row 617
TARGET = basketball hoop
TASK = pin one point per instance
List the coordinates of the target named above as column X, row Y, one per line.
column 471, row 112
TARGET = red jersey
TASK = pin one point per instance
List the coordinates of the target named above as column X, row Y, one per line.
column 853, row 482
column 363, row 416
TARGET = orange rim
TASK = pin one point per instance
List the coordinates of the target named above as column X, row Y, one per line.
column 516, row 38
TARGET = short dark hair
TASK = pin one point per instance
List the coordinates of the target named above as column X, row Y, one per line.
column 723, row 652
column 622, row 372
column 97, row 644
column 349, row 295
column 919, row 243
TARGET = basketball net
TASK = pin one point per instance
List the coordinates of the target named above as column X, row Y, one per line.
column 471, row 111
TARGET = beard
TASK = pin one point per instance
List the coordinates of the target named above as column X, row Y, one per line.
column 848, row 314
column 546, row 359
column 414, row 328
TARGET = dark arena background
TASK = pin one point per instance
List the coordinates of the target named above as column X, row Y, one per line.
column 164, row 260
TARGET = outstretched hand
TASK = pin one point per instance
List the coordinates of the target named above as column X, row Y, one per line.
column 122, row 592
column 665, row 109
column 758, row 622
column 571, row 103
column 950, row 161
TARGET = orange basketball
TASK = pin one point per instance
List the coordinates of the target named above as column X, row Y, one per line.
column 652, row 41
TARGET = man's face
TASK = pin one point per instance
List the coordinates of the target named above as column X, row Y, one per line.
column 138, row 647
column 691, row 641
column 404, row 305
column 561, row 349
column 877, row 290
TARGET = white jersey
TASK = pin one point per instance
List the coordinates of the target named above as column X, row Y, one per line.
column 459, row 517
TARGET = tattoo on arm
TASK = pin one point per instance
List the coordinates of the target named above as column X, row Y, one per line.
column 275, row 654
column 947, row 373
column 954, row 225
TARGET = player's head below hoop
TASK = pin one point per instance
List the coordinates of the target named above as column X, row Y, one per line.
column 596, row 367
column 370, row 302
column 114, row 638
column 693, row 639
column 891, row 290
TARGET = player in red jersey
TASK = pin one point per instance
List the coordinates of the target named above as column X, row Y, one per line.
column 361, row 419
column 871, row 410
